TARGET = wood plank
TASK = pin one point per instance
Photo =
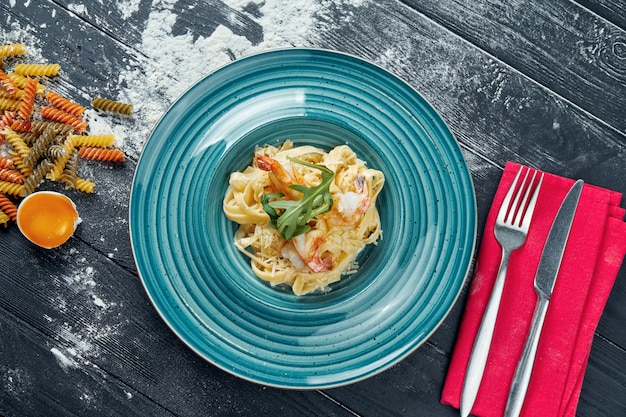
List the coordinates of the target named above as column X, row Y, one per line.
column 576, row 54
column 126, row 22
column 605, row 383
column 411, row 388
column 613, row 11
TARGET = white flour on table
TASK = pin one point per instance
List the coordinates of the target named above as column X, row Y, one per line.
column 175, row 62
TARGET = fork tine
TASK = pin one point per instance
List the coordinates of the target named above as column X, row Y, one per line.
column 531, row 205
column 515, row 207
column 506, row 206
column 524, row 193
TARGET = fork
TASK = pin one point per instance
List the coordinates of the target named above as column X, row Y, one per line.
column 511, row 229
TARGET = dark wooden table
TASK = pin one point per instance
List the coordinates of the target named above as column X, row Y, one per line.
column 540, row 83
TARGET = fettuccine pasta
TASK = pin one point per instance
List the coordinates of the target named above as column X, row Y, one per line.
column 310, row 261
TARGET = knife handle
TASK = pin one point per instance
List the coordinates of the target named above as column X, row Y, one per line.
column 482, row 343
column 519, row 386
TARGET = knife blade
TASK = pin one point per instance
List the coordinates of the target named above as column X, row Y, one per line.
column 545, row 278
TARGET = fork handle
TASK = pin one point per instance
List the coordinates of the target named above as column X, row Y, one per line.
column 519, row 386
column 480, row 350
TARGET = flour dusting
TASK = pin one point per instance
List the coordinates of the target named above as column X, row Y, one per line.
column 173, row 62
column 63, row 360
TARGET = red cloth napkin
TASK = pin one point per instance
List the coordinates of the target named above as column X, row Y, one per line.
column 591, row 262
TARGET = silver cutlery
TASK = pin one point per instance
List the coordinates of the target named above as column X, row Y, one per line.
column 511, row 229
column 544, row 284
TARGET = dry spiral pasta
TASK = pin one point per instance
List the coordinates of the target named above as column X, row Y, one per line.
column 70, row 171
column 11, row 175
column 102, row 154
column 30, row 137
column 6, row 162
column 40, row 126
column 84, row 185
column 11, row 188
column 21, row 126
column 8, row 84
column 12, row 49
column 98, row 141
column 55, row 151
column 27, row 104
column 112, row 105
column 5, row 94
column 61, row 116
column 9, row 104
column 19, row 163
column 40, row 146
column 59, row 163
column 21, row 80
column 62, row 103
column 16, row 142
column 38, row 70
column 8, row 207
column 4, row 218
column 32, row 181
column 6, row 120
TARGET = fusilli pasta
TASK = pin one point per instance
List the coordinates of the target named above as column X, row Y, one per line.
column 55, row 151
column 21, row 80
column 27, row 104
column 4, row 218
column 12, row 49
column 8, row 207
column 98, row 141
column 10, row 188
column 9, row 104
column 102, row 154
column 112, row 105
column 6, row 162
column 43, row 138
column 32, row 181
column 84, row 185
column 40, row 146
column 19, row 163
column 11, row 175
column 59, row 115
column 62, row 103
column 16, row 142
column 60, row 162
column 38, row 70
column 70, row 172
column 8, row 84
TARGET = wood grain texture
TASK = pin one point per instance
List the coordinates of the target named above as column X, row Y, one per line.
column 541, row 83
column 613, row 11
column 570, row 51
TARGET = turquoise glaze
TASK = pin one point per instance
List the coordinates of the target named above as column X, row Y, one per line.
column 204, row 288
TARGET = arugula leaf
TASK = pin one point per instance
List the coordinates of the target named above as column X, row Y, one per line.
column 290, row 217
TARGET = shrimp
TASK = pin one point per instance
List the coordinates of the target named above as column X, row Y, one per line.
column 305, row 250
column 278, row 175
column 350, row 206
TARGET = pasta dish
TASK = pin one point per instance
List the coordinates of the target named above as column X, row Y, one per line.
column 304, row 213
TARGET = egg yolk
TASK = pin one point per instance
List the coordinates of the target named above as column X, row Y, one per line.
column 47, row 219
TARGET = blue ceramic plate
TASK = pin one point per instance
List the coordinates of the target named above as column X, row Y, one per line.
column 204, row 288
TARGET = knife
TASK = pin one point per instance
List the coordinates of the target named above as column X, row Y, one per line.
column 544, row 284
